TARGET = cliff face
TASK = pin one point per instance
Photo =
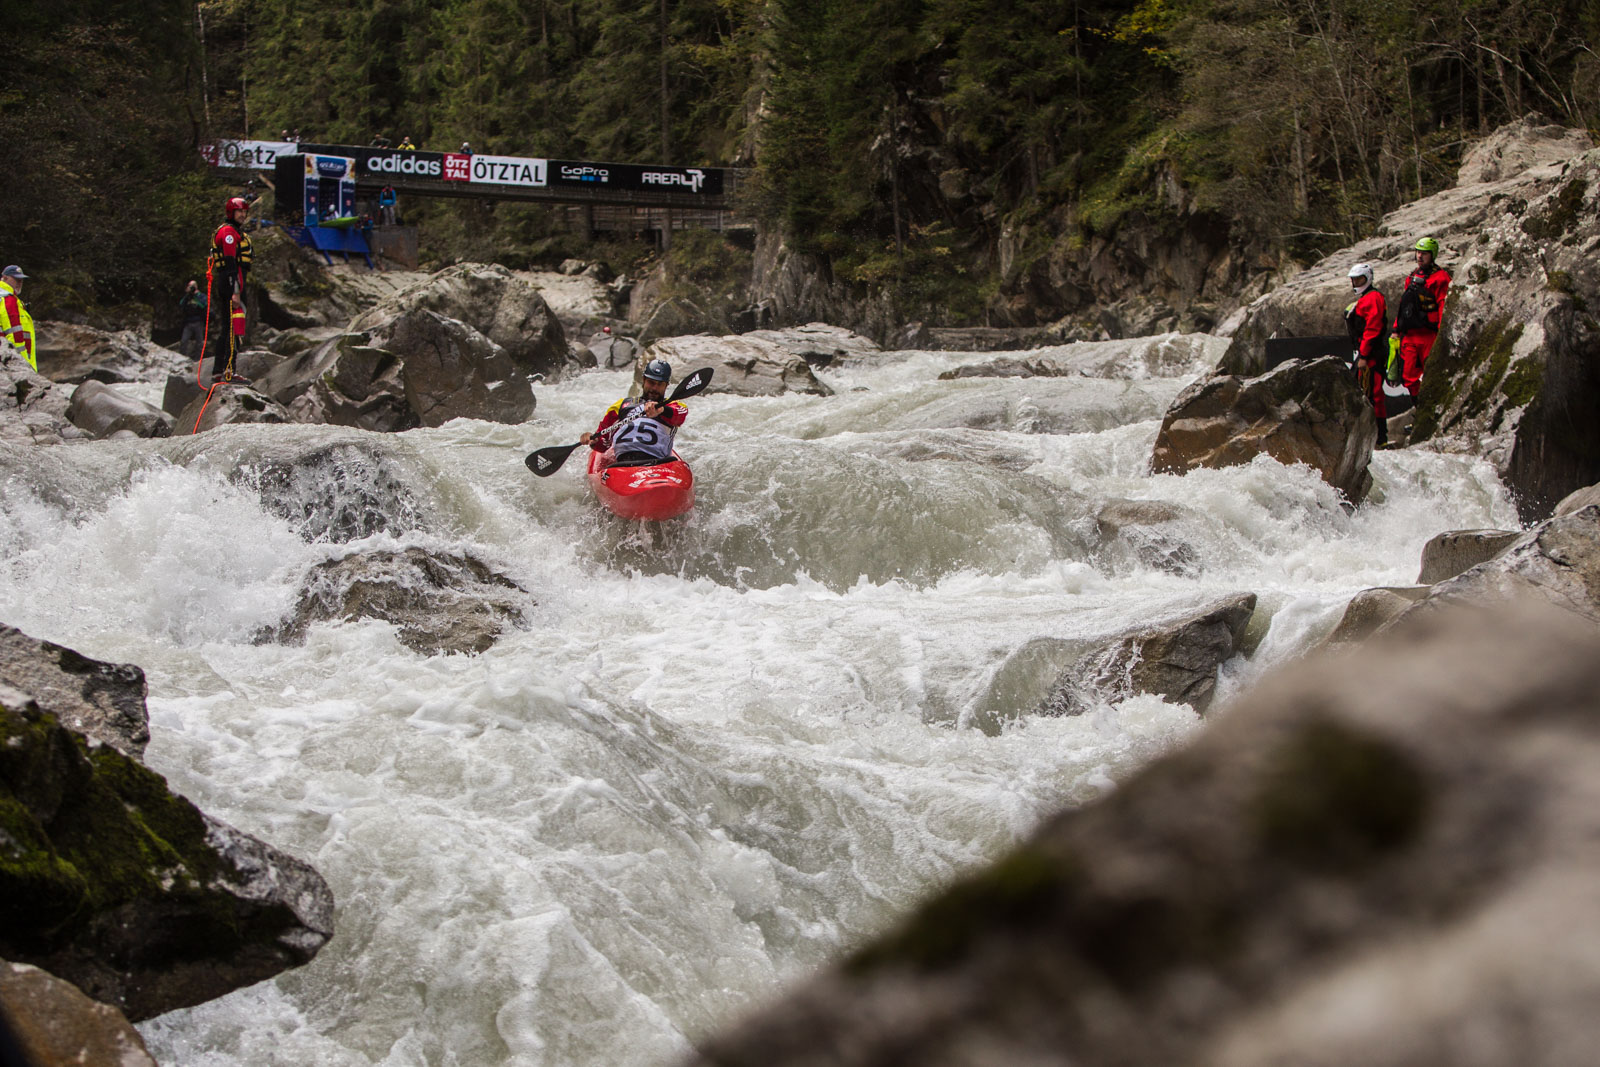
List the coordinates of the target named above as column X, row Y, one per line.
column 1513, row 376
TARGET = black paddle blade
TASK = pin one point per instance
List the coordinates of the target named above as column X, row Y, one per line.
column 694, row 383
column 547, row 461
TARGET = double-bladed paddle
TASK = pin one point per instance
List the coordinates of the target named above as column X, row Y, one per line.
column 546, row 461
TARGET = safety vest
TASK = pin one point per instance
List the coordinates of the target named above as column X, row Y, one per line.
column 1422, row 300
column 16, row 325
column 230, row 245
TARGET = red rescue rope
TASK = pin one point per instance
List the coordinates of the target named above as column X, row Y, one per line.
column 227, row 374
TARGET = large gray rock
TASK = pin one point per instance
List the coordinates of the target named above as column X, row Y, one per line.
column 102, row 701
column 746, row 365
column 820, row 344
column 228, row 404
column 69, row 353
column 505, row 308
column 439, row 603
column 1557, row 561
column 1329, row 874
column 1518, row 147
column 1448, row 554
column 333, row 491
column 33, row 409
column 1512, row 376
column 1578, row 499
column 50, row 1023
column 1168, row 355
column 1175, row 658
column 109, row 880
column 1148, row 532
column 102, row 411
column 1372, row 609
column 1307, row 412
column 450, row 370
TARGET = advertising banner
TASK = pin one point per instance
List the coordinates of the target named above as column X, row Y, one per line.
column 389, row 163
column 508, row 170
column 259, row 155
column 457, row 168
column 633, row 177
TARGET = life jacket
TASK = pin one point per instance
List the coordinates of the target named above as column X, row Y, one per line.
column 230, row 244
column 16, row 325
column 1358, row 319
column 650, row 437
column 1419, row 307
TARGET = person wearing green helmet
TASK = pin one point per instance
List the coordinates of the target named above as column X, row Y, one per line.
column 1421, row 305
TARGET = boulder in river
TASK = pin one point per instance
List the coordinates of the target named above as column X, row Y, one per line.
column 228, row 404
column 1329, row 874
column 1302, row 411
column 746, row 365
column 111, row 881
column 505, row 308
column 102, row 411
column 1448, row 554
column 1167, row 355
column 50, row 1023
column 439, row 602
column 70, row 353
column 33, row 409
column 102, row 701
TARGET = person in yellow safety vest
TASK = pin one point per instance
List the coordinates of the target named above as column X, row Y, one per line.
column 16, row 325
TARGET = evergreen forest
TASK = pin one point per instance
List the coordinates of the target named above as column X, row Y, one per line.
column 907, row 142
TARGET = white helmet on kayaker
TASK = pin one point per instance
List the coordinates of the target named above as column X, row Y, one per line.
column 658, row 370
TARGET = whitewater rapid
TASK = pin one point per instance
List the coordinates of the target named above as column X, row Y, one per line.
column 718, row 753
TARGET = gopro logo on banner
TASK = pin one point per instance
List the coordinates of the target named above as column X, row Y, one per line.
column 457, row 168
column 691, row 179
column 508, row 170
column 585, row 174
column 403, row 163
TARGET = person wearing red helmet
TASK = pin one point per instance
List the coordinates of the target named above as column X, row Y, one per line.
column 641, row 431
column 230, row 266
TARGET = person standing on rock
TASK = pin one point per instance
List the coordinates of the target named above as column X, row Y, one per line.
column 16, row 325
column 641, row 431
column 229, row 267
column 192, row 306
column 1417, row 315
column 1364, row 317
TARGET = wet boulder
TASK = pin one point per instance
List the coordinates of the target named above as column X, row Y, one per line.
column 745, row 365
column 1372, row 609
column 820, row 344
column 1329, row 874
column 449, row 370
column 1454, row 551
column 1169, row 355
column 70, row 353
column 500, row 305
column 438, row 602
column 1301, row 411
column 612, row 352
column 102, row 411
column 228, row 404
column 333, row 491
column 1149, row 533
column 104, row 702
column 1175, row 658
column 50, row 1023
column 114, row 883
column 33, row 409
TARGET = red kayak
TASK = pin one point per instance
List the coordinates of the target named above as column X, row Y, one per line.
column 659, row 491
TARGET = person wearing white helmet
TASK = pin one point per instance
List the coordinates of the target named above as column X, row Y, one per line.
column 1366, row 317
column 1417, row 315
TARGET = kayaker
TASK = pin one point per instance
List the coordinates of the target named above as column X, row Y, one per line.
column 640, row 431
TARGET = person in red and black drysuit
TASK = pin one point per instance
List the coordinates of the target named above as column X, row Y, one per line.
column 641, row 431
column 230, row 267
column 1417, row 315
column 1365, row 318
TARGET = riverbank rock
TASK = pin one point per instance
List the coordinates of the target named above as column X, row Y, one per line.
column 1511, row 377
column 50, row 1023
column 1326, row 875
column 745, row 365
column 70, row 353
column 104, row 702
column 102, row 411
column 1175, row 658
column 493, row 301
column 112, row 882
column 33, row 409
column 1448, row 554
column 820, row 344
column 438, row 602
column 228, row 404
column 1370, row 610
column 1299, row 412
column 1148, row 532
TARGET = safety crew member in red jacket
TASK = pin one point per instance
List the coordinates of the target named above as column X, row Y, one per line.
column 1365, row 318
column 230, row 267
column 640, row 432
column 1416, row 320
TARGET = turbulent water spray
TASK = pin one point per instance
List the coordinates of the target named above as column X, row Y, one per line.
column 707, row 761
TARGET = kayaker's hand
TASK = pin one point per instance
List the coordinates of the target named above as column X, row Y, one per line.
column 651, row 409
column 585, row 437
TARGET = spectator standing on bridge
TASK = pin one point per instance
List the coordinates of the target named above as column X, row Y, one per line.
column 193, row 308
column 386, row 203
column 405, row 144
column 16, row 325
column 466, row 148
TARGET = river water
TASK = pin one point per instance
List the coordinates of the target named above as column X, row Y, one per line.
column 720, row 752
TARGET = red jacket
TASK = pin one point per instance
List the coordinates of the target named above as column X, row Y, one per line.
column 672, row 414
column 1430, row 287
column 1365, row 321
